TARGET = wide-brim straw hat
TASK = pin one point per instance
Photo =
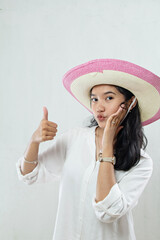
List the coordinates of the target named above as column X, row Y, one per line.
column 144, row 84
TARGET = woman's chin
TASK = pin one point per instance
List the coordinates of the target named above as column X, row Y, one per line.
column 101, row 124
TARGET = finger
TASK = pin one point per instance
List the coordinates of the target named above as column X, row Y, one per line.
column 46, row 138
column 50, row 129
column 121, row 113
column 50, row 133
column 120, row 110
column 47, row 133
column 112, row 121
column 115, row 118
column 52, row 124
column 45, row 113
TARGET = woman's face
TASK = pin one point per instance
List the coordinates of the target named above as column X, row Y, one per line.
column 105, row 100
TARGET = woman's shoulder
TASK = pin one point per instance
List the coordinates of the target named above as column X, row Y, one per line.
column 144, row 154
column 145, row 158
column 145, row 163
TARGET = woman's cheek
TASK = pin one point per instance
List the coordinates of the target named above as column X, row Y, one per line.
column 111, row 111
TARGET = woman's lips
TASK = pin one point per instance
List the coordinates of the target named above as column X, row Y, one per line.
column 101, row 119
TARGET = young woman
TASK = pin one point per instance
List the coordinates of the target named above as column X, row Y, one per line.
column 103, row 168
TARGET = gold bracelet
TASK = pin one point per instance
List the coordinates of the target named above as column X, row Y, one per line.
column 29, row 161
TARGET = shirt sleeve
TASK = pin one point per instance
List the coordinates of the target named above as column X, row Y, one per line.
column 124, row 195
column 50, row 163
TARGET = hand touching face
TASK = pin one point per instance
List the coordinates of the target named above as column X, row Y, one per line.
column 112, row 127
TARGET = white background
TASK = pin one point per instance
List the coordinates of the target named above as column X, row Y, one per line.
column 39, row 41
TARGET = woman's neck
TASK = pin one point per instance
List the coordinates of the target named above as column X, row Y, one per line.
column 99, row 132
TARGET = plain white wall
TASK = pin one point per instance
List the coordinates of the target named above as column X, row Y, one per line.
column 39, row 41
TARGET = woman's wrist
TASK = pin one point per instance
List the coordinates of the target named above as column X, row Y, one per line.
column 108, row 151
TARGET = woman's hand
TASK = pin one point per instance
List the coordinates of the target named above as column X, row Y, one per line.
column 112, row 127
column 46, row 130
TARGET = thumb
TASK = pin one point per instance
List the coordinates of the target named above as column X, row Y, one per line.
column 45, row 113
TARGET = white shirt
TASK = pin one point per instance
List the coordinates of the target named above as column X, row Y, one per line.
column 72, row 160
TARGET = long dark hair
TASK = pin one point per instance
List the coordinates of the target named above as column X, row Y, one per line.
column 130, row 139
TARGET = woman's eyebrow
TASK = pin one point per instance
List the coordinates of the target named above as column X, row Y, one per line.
column 104, row 93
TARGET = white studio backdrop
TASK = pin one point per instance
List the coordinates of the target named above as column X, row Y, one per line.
column 39, row 41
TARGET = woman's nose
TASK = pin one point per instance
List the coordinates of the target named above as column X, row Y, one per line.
column 100, row 107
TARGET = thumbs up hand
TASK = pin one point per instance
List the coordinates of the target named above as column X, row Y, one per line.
column 46, row 130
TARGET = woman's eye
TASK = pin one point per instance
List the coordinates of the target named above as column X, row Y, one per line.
column 109, row 98
column 93, row 99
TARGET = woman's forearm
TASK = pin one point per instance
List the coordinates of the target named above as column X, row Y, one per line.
column 106, row 177
column 31, row 154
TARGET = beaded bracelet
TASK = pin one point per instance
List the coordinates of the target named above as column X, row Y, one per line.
column 29, row 161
